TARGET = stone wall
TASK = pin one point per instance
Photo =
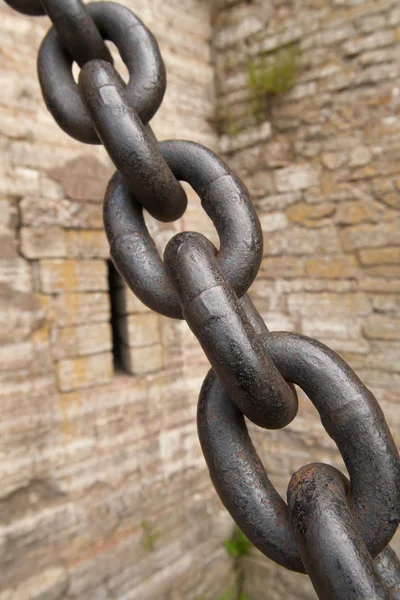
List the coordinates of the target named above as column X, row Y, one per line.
column 322, row 163
column 104, row 491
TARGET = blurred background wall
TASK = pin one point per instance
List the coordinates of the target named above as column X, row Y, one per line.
column 104, row 490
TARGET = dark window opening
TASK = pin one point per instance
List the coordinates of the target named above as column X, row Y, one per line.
column 116, row 289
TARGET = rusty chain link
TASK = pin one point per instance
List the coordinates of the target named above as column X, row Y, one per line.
column 335, row 530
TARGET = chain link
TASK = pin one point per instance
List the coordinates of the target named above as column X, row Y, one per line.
column 335, row 530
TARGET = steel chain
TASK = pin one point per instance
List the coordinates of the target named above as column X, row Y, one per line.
column 336, row 531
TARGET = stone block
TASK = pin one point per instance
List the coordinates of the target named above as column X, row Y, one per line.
column 83, row 372
column 83, row 178
column 382, row 327
column 325, row 303
column 81, row 340
column 9, row 218
column 248, row 137
column 388, row 271
column 297, row 177
column 380, row 256
column 72, row 309
column 370, row 235
column 360, row 156
column 142, row 360
column 86, row 244
column 386, row 303
column 50, row 584
column 301, row 241
column 73, row 276
column 274, row 221
column 340, row 267
column 140, row 329
column 311, row 215
column 42, row 243
column 282, row 266
column 56, row 212
column 377, row 39
column 359, row 211
column 16, row 274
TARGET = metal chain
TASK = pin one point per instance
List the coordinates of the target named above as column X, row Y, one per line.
column 335, row 530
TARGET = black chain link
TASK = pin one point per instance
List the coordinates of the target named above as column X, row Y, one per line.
column 335, row 530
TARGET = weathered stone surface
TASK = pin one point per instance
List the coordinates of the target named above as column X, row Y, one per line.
column 379, row 256
column 311, row 215
column 382, row 327
column 55, row 212
column 81, row 340
column 351, row 213
column 245, row 138
column 16, row 274
column 300, row 241
column 282, row 266
column 72, row 275
column 83, row 178
column 73, row 308
column 51, row 584
column 82, row 372
column 364, row 236
column 313, row 305
column 340, row 267
column 42, row 243
column 296, row 177
column 140, row 329
column 142, row 360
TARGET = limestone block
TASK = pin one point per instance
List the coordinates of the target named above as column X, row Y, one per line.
column 370, row 235
column 42, row 243
column 369, row 42
column 375, row 74
column 142, row 360
column 387, row 271
column 140, row 329
column 82, row 372
column 282, row 266
column 50, row 584
column 371, row 23
column 84, row 177
column 81, row 340
column 73, row 275
column 273, row 221
column 8, row 215
column 56, row 212
column 339, row 267
column 334, row 160
column 276, row 202
column 386, row 303
column 16, row 274
column 325, row 303
column 360, row 156
column 359, row 211
column 297, row 177
column 311, row 215
column 71, row 309
column 379, row 256
column 248, row 137
column 86, row 244
column 382, row 327
column 301, row 241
